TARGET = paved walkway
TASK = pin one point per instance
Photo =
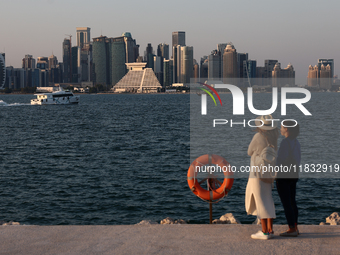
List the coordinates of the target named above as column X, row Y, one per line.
column 164, row 239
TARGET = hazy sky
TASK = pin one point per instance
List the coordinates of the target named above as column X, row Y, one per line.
column 297, row 32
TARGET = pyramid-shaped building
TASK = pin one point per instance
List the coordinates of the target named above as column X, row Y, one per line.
column 138, row 80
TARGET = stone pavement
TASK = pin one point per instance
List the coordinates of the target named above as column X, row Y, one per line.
column 165, row 239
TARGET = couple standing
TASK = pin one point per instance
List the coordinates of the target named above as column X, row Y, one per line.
column 259, row 200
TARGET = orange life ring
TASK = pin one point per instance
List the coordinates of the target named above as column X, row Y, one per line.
column 212, row 194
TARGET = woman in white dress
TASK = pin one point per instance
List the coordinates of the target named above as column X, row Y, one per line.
column 259, row 200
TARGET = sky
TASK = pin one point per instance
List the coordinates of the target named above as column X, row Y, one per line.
column 296, row 32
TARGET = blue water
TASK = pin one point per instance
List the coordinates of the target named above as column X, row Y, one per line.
column 118, row 159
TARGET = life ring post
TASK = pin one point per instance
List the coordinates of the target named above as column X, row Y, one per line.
column 210, row 212
column 216, row 190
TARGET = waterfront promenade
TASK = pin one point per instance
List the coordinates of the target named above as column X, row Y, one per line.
column 164, row 239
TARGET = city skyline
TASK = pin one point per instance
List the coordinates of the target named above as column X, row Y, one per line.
column 286, row 32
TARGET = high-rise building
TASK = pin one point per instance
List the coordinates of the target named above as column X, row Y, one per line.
column 268, row 67
column 283, row 77
column 230, row 62
column 163, row 50
column 196, row 71
column 186, row 63
column 67, row 61
column 52, row 62
column 241, row 57
column 42, row 63
column 167, row 73
column 83, row 36
column 178, row 38
column 75, row 63
column 204, row 69
column 148, row 56
column 325, row 75
column 131, row 48
column 100, row 60
column 325, row 62
column 117, row 59
column 215, row 65
column 2, row 70
column 28, row 62
column 249, row 71
column 84, row 57
column 313, row 76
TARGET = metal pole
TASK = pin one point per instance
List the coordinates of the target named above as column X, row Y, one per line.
column 210, row 212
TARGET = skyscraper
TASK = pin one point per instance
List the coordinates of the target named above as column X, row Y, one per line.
column 2, row 70
column 241, row 57
column 215, row 65
column 52, row 62
column 148, row 56
column 325, row 62
column 83, row 36
column 186, row 63
column 230, row 62
column 117, row 59
column 268, row 67
column 28, row 62
column 67, row 60
column 283, row 77
column 163, row 50
column 249, row 71
column 100, row 60
column 178, row 38
column 204, row 69
column 313, row 76
column 131, row 48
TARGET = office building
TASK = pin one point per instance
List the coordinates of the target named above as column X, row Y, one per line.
column 283, row 77
column 249, row 72
column 2, row 70
column 178, row 38
column 204, row 67
column 196, row 71
column 313, row 76
column 230, row 62
column 131, row 48
column 163, row 50
column 325, row 62
column 148, row 56
column 167, row 73
column 28, row 62
column 42, row 63
column 117, row 59
column 241, row 57
column 100, row 60
column 269, row 67
column 15, row 78
column 84, row 59
column 83, row 36
column 67, row 62
column 52, row 62
column 215, row 65
column 186, row 64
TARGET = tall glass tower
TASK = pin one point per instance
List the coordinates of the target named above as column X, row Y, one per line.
column 83, row 36
column 100, row 60
column 2, row 70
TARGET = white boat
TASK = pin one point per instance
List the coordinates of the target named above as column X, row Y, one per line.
column 58, row 97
